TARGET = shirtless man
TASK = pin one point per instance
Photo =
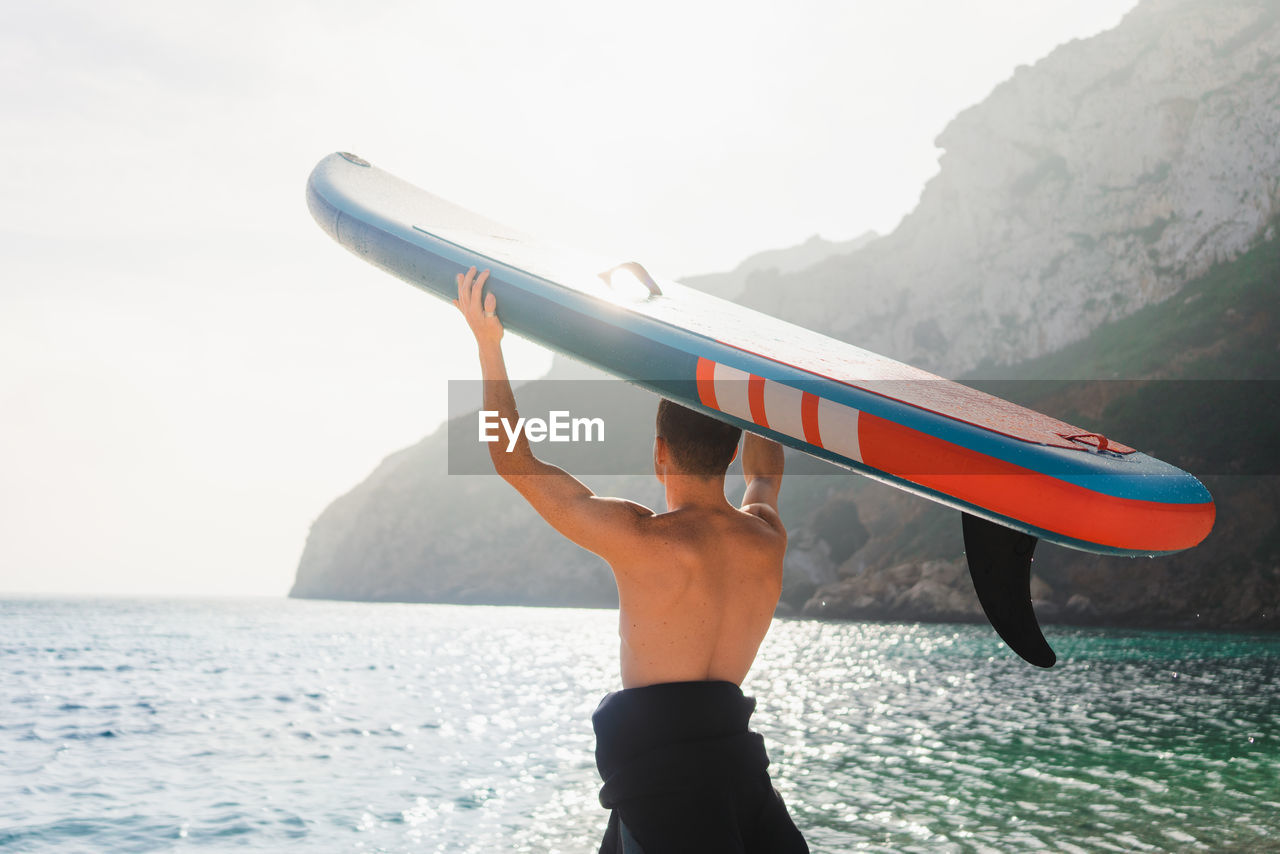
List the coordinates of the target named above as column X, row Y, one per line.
column 697, row 588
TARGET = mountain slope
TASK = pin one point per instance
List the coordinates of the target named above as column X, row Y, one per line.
column 1108, row 213
column 1092, row 184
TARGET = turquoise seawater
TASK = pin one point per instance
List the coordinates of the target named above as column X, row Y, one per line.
column 271, row 725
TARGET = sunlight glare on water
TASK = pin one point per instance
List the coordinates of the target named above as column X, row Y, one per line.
column 183, row 725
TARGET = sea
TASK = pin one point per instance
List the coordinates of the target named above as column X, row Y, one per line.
column 306, row 726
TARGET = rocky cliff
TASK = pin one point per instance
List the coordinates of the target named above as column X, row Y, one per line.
column 1093, row 183
column 1108, row 212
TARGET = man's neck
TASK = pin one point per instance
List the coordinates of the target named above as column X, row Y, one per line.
column 685, row 491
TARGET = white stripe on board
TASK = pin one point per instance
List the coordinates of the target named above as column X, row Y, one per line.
column 731, row 391
column 782, row 408
column 838, row 426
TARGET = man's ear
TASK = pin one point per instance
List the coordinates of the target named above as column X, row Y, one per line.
column 660, row 453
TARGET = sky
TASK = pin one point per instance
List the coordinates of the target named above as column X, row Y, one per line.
column 191, row 371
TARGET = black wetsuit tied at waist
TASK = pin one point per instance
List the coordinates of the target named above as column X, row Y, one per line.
column 682, row 773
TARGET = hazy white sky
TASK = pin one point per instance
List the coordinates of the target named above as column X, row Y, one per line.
column 190, row 370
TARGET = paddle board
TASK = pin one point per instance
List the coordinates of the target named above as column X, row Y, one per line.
column 1017, row 475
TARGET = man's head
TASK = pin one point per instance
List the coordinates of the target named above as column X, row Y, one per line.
column 694, row 443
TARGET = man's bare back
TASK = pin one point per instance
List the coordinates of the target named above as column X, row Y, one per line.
column 697, row 599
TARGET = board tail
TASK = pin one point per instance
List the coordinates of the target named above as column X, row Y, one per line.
column 1000, row 565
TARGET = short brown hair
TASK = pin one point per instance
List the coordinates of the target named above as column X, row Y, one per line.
column 699, row 444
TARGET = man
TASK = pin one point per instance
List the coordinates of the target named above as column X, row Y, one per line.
column 697, row 588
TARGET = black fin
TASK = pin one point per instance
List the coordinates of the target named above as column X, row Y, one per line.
column 1000, row 566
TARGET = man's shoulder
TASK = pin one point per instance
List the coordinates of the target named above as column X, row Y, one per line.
column 768, row 514
column 638, row 509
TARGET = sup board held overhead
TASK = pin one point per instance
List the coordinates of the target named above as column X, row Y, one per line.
column 1016, row 475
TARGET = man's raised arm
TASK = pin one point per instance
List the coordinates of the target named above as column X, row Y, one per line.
column 762, row 464
column 600, row 525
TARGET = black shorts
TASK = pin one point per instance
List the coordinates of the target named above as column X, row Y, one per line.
column 682, row 772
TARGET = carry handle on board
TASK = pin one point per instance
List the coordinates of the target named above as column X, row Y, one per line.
column 637, row 270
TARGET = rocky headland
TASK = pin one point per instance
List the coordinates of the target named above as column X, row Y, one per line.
column 1099, row 244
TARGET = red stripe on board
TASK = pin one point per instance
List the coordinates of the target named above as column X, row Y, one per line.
column 706, row 380
column 809, row 418
column 755, row 397
column 1037, row 499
